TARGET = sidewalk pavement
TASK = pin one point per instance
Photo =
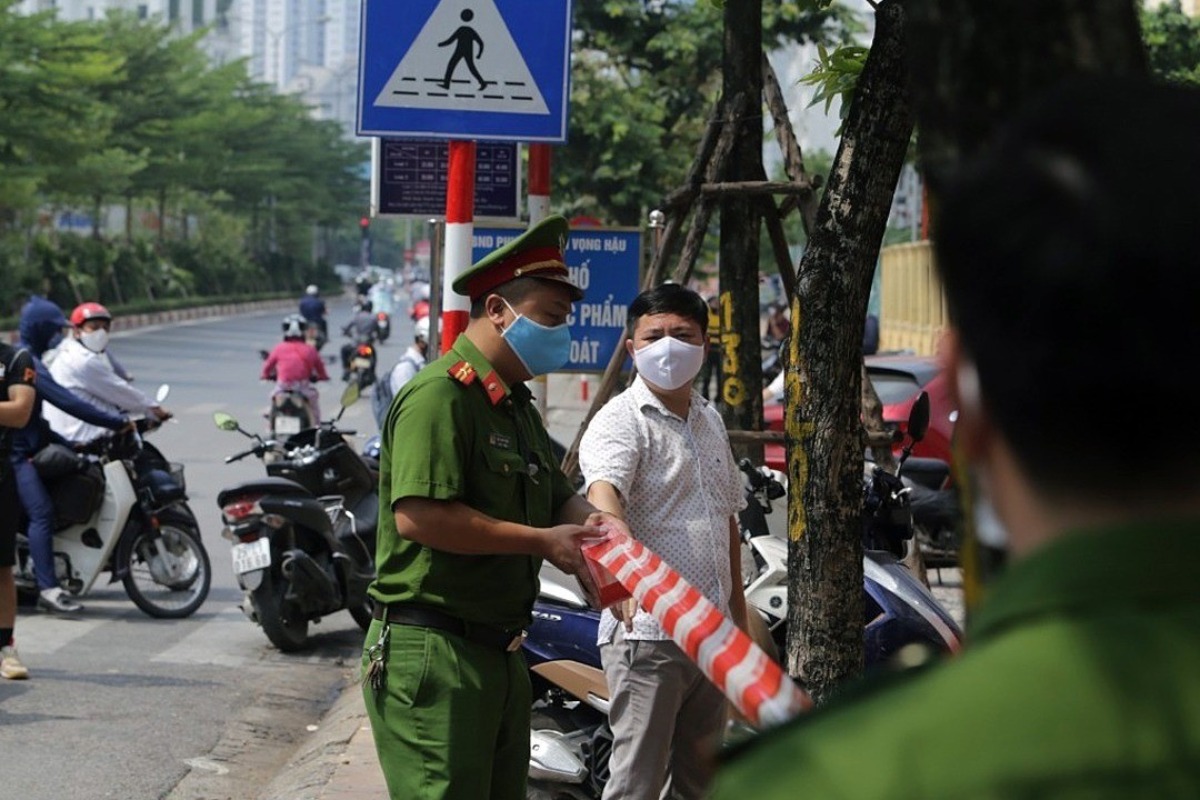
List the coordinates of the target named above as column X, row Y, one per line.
column 337, row 761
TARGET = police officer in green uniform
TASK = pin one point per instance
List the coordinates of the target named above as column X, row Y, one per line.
column 471, row 501
column 1071, row 270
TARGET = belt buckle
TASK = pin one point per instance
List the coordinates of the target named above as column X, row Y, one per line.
column 516, row 642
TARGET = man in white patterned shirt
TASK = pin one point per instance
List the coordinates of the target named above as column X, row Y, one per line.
column 657, row 455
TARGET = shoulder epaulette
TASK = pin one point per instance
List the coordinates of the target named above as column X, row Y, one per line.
column 463, row 372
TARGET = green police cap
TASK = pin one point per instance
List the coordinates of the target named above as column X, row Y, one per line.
column 536, row 253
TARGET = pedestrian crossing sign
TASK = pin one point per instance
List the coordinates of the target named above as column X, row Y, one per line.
column 465, row 69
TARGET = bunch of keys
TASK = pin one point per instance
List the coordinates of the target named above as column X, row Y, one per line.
column 377, row 656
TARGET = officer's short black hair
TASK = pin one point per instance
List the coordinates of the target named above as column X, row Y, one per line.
column 1070, row 257
column 669, row 298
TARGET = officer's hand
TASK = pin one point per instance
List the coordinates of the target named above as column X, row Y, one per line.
column 562, row 550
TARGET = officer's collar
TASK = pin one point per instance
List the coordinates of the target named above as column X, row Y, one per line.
column 472, row 366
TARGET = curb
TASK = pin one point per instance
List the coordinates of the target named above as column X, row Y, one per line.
column 338, row 762
column 125, row 322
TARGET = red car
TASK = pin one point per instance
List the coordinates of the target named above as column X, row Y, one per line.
column 897, row 379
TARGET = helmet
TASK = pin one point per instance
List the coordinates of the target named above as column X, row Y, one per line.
column 312, row 289
column 421, row 329
column 85, row 311
column 293, row 326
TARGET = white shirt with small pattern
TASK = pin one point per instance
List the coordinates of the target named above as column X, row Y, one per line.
column 680, row 485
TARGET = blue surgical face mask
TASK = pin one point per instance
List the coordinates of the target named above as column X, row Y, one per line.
column 540, row 348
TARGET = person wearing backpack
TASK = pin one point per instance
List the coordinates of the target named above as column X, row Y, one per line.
column 406, row 367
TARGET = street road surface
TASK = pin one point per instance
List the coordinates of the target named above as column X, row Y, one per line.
column 121, row 705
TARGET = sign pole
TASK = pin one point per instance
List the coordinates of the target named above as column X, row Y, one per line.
column 460, row 225
column 539, row 209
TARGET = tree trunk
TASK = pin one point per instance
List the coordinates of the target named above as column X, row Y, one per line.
column 741, row 220
column 825, row 607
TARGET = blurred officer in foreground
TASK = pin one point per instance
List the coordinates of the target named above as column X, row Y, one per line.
column 1070, row 257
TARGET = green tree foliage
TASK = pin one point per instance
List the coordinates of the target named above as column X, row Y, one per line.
column 228, row 187
column 1172, row 42
column 645, row 74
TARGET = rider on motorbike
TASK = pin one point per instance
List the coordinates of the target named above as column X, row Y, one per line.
column 363, row 329
column 41, row 327
column 81, row 365
column 295, row 365
column 312, row 308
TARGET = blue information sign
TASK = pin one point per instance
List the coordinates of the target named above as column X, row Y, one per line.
column 605, row 263
column 465, row 69
column 413, row 178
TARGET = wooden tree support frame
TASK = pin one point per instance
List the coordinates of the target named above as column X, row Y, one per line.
column 698, row 198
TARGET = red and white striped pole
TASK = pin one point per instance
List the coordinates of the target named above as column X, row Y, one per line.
column 539, row 209
column 460, row 226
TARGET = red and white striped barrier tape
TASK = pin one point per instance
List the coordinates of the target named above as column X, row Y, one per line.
column 725, row 654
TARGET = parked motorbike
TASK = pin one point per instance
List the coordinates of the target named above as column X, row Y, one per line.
column 570, row 740
column 937, row 519
column 304, row 536
column 121, row 507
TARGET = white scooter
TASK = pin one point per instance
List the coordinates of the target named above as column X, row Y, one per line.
column 122, row 508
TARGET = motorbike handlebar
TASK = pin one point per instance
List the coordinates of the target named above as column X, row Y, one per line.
column 239, row 456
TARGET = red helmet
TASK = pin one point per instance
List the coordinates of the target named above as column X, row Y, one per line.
column 85, row 311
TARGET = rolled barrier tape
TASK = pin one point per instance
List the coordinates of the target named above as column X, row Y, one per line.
column 725, row 654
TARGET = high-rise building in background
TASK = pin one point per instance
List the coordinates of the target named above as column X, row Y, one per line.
column 303, row 47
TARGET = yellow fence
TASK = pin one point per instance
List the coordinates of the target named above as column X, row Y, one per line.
column 912, row 309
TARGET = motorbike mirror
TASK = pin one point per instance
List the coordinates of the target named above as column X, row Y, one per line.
column 263, row 354
column 224, row 421
column 163, row 391
column 918, row 418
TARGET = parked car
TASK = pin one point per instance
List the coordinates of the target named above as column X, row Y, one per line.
column 898, row 380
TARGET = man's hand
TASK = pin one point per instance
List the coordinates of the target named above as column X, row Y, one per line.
column 603, row 519
column 161, row 414
column 625, row 611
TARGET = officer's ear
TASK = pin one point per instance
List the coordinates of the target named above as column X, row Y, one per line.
column 495, row 308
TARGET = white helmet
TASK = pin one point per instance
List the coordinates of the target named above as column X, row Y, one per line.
column 421, row 329
column 293, row 326
column 312, row 289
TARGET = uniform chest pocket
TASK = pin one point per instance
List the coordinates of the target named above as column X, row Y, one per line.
column 503, row 463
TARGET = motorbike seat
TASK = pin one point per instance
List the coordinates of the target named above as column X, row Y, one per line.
column 929, row 472
column 366, row 513
column 272, row 486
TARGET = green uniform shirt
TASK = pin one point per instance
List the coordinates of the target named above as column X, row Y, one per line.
column 457, row 432
column 1081, row 680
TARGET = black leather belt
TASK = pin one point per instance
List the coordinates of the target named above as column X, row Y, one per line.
column 421, row 617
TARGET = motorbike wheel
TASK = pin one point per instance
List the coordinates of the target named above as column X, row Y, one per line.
column 288, row 633
column 168, row 575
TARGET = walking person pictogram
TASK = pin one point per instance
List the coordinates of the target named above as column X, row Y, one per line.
column 464, row 40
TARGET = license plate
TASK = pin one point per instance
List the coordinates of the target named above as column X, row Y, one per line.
column 251, row 556
column 362, row 363
column 287, row 425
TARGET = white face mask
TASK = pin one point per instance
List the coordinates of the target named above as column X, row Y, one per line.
column 669, row 363
column 96, row 340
